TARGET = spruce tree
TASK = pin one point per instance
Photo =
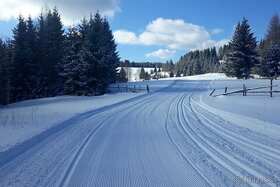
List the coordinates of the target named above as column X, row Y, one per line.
column 110, row 53
column 271, row 65
column 122, row 77
column 20, row 83
column 243, row 52
column 3, row 73
column 70, row 69
column 51, row 53
column 273, row 32
column 32, row 40
column 142, row 74
column 104, row 57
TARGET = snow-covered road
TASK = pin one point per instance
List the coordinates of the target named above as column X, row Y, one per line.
column 167, row 138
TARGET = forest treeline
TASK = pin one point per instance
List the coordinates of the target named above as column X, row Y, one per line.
column 241, row 57
column 42, row 59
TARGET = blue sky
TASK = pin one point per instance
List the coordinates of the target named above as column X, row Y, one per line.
column 155, row 30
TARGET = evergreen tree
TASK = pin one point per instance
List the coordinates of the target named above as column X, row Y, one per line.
column 3, row 73
column 104, row 57
column 171, row 74
column 21, row 67
column 51, row 53
column 271, row 64
column 214, row 61
column 110, row 53
column 147, row 76
column 70, row 69
column 142, row 73
column 40, row 61
column 243, row 52
column 273, row 32
column 171, row 68
column 87, row 67
column 32, row 40
column 122, row 75
column 272, row 36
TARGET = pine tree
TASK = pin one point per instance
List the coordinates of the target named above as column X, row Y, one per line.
column 272, row 36
column 32, row 40
column 110, row 53
column 142, row 74
column 50, row 37
column 87, row 67
column 273, row 32
column 21, row 67
column 147, row 76
column 70, row 69
column 105, row 58
column 214, row 61
column 271, row 65
column 3, row 73
column 243, row 52
column 122, row 76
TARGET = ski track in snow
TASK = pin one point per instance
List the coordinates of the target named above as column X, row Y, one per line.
column 167, row 138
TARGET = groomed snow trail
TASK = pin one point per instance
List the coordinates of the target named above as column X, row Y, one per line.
column 167, row 138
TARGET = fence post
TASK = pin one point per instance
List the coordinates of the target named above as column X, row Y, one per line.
column 244, row 90
column 140, row 88
column 134, row 88
column 212, row 92
column 126, row 88
column 271, row 87
column 225, row 89
column 148, row 89
column 118, row 88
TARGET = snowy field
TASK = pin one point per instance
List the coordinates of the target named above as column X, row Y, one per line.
column 177, row 135
column 23, row 120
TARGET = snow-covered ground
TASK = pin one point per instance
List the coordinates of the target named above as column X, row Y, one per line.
column 23, row 120
column 177, row 135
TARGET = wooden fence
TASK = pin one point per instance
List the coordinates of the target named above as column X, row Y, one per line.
column 134, row 88
column 246, row 91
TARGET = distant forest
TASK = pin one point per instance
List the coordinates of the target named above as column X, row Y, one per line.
column 240, row 58
column 127, row 63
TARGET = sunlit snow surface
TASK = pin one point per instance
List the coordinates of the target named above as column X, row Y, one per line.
column 177, row 135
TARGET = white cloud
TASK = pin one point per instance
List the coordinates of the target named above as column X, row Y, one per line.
column 172, row 34
column 71, row 10
column 216, row 31
column 164, row 54
column 125, row 37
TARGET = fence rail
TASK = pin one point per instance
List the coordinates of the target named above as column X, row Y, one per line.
column 246, row 90
column 134, row 88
